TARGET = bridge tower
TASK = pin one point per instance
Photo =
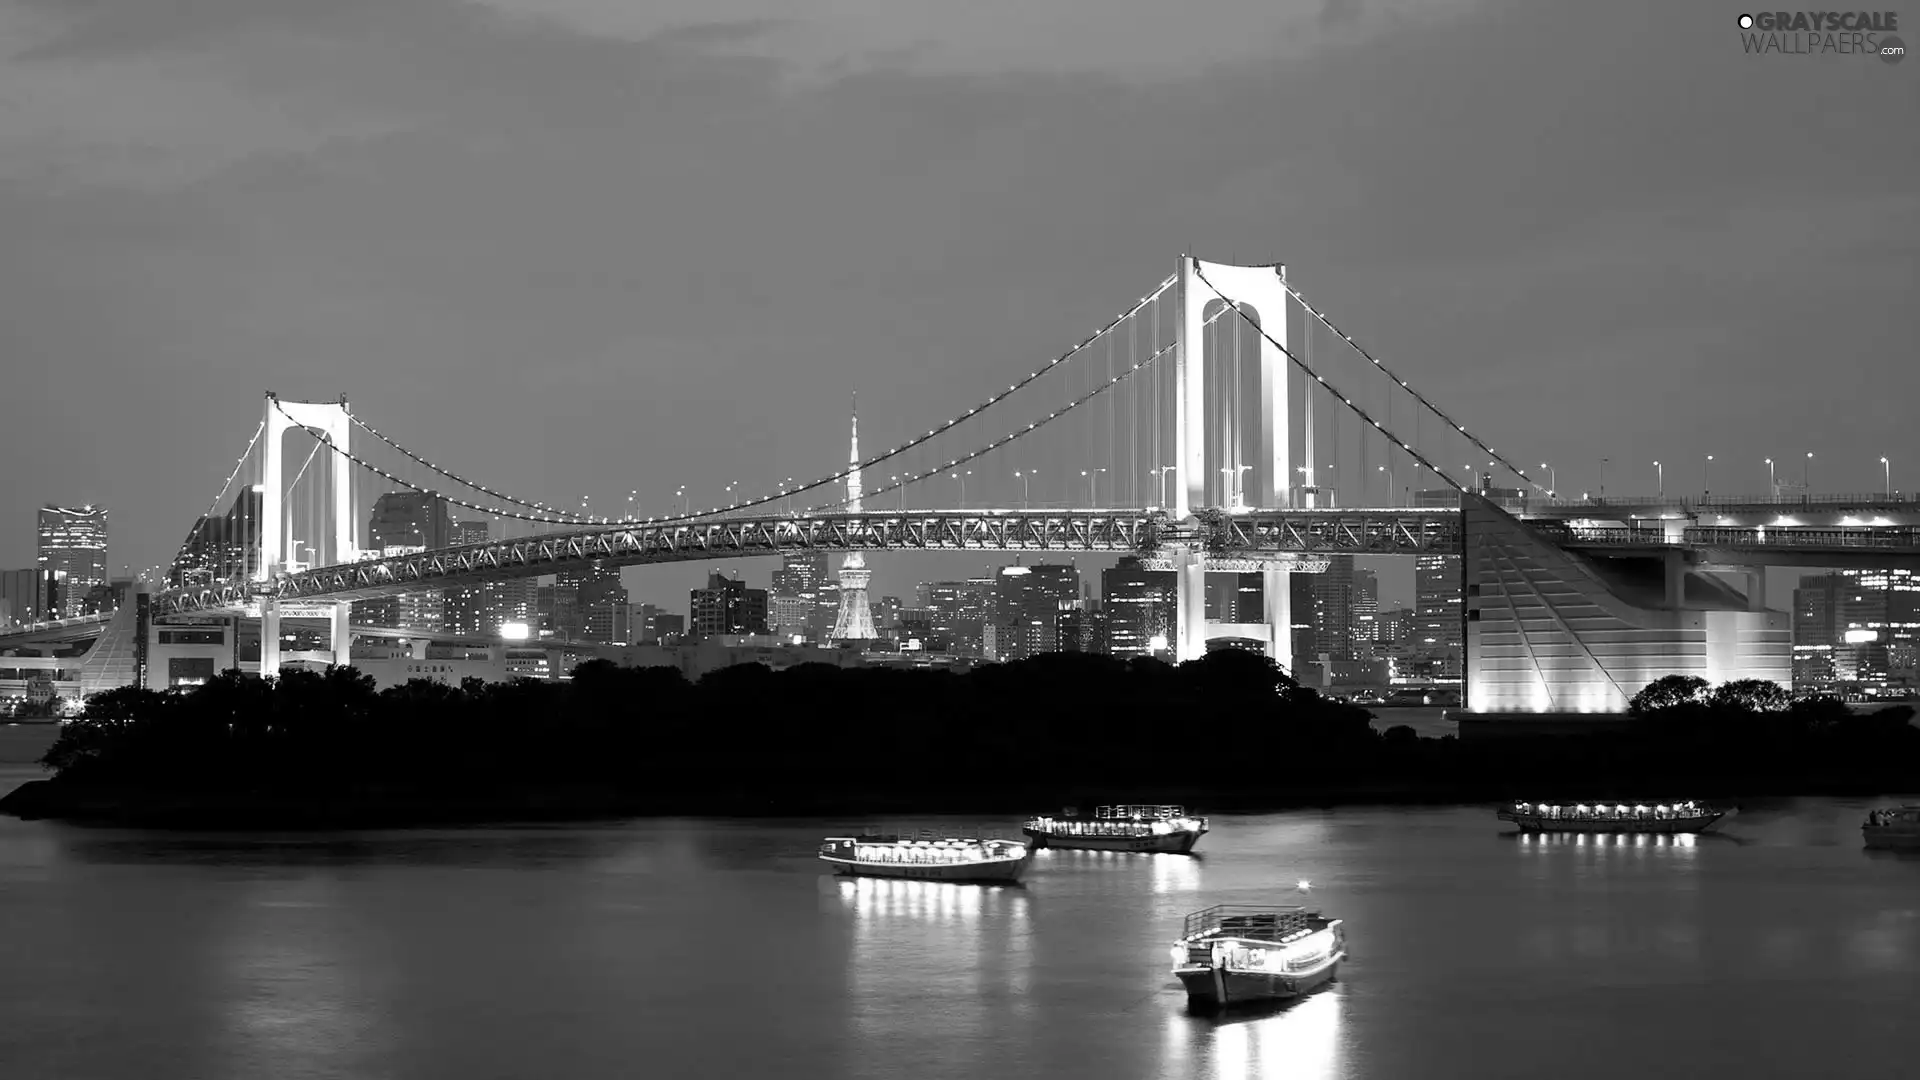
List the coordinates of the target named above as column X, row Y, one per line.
column 276, row 555
column 1260, row 291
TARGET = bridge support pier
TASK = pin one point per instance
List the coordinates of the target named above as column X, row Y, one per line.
column 1190, row 600
column 1674, row 567
column 1276, row 587
column 1756, row 588
column 343, row 633
column 269, row 637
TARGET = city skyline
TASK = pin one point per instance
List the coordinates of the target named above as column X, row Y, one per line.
column 572, row 305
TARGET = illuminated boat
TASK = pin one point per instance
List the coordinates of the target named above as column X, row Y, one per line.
column 1120, row 828
column 1233, row 954
column 1606, row 817
column 926, row 859
column 1895, row 829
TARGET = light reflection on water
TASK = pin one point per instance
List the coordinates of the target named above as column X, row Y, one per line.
column 309, row 999
column 717, row 949
column 1299, row 1040
column 962, row 945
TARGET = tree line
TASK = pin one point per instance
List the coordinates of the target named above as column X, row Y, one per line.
column 1227, row 731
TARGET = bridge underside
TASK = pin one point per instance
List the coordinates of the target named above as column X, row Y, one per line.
column 1552, row 631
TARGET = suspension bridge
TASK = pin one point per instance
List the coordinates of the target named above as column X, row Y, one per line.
column 1219, row 423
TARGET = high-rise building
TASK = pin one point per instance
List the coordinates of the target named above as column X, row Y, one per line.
column 1140, row 609
column 23, row 597
column 787, row 615
column 1366, row 613
column 854, row 622
column 603, row 605
column 73, row 546
column 1030, row 602
column 958, row 613
column 1437, row 633
column 886, row 613
column 1235, row 598
column 727, row 606
column 404, row 522
column 804, row 576
column 1856, row 630
column 224, row 548
column 1333, row 604
column 408, row 521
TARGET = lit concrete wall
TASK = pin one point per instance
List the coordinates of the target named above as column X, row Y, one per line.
column 160, row 651
column 1552, row 631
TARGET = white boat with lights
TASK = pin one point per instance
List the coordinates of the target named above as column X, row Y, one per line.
column 926, row 859
column 1609, row 817
column 1234, row 954
column 1894, row 829
column 1167, row 829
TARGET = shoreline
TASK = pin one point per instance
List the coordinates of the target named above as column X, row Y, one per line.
column 240, row 811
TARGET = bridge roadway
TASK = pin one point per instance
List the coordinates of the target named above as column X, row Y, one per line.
column 1736, row 511
column 1233, row 541
column 1240, row 540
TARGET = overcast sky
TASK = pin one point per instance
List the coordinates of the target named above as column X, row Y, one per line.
column 594, row 245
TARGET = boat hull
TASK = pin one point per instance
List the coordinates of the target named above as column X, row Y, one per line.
column 1212, row 988
column 1658, row 826
column 1000, row 871
column 1173, row 843
column 1886, row 839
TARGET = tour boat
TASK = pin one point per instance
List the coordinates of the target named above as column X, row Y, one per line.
column 927, row 859
column 1233, row 954
column 1896, row 828
column 1120, row 828
column 1608, row 817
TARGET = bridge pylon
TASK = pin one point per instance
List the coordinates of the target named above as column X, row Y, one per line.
column 1260, row 291
column 332, row 422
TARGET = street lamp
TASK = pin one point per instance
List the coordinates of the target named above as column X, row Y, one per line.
column 1706, row 477
column 631, row 495
column 1773, row 485
column 1236, row 491
column 962, row 477
column 1390, row 489
column 1806, row 475
column 1162, row 472
column 1091, row 475
column 1660, row 472
column 787, row 486
column 686, row 504
column 1888, row 469
column 1025, row 478
column 1553, row 478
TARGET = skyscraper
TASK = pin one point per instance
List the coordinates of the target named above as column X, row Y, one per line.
column 1366, row 613
column 1437, row 630
column 73, row 547
column 805, row 580
column 402, row 522
column 1031, row 600
column 855, row 622
column 727, row 606
column 222, row 548
column 1140, row 609
column 1856, row 629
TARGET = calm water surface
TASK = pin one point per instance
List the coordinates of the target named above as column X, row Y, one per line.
column 718, row 949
